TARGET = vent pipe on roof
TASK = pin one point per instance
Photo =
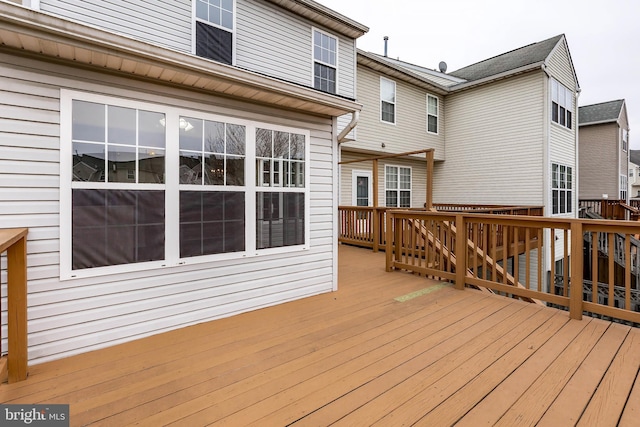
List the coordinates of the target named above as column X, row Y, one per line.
column 386, row 40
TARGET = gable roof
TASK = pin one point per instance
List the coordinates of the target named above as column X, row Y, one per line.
column 603, row 112
column 634, row 157
column 527, row 55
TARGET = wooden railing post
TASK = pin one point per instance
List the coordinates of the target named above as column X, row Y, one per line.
column 376, row 229
column 461, row 251
column 576, row 286
column 389, row 241
column 14, row 241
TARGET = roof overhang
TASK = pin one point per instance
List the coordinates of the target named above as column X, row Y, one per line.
column 48, row 38
column 491, row 79
column 324, row 16
column 600, row 122
column 400, row 73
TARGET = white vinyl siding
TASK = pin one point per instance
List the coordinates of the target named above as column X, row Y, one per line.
column 495, row 144
column 74, row 316
column 162, row 22
column 410, row 131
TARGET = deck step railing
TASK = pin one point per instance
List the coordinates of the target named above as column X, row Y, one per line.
column 13, row 364
column 459, row 261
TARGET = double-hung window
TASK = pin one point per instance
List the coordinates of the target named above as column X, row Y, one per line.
column 397, row 186
column 214, row 29
column 387, row 100
column 148, row 186
column 561, row 104
column 561, row 188
column 623, row 187
column 432, row 114
column 625, row 140
column 325, row 62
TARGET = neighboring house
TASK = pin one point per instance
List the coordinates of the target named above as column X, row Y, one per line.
column 604, row 150
column 503, row 131
column 162, row 188
column 634, row 174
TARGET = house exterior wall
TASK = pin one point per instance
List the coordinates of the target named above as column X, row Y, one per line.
column 409, row 133
column 599, row 159
column 418, row 177
column 267, row 39
column 77, row 315
column 494, row 149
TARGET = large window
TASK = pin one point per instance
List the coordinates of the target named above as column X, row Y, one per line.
column 214, row 29
column 625, row 140
column 561, row 188
column 624, row 186
column 387, row 100
column 325, row 61
column 432, row 114
column 561, row 104
column 397, row 186
column 280, row 202
column 149, row 186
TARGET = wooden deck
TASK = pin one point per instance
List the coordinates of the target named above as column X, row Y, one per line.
column 439, row 356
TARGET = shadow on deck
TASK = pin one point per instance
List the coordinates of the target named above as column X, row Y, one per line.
column 360, row 356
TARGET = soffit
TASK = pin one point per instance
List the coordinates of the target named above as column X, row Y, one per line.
column 52, row 38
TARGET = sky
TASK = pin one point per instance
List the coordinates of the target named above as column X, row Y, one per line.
column 603, row 37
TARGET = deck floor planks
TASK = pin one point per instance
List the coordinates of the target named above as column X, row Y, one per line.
column 364, row 338
column 574, row 397
column 606, row 406
column 533, row 403
column 337, row 352
column 495, row 404
column 464, row 399
column 386, row 351
column 362, row 393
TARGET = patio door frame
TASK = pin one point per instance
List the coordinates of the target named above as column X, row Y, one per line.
column 355, row 174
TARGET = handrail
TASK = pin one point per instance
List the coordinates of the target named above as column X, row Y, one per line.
column 519, row 251
column 14, row 241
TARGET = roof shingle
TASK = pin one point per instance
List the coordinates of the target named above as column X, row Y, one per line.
column 599, row 113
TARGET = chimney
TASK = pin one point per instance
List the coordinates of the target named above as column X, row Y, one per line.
column 386, row 39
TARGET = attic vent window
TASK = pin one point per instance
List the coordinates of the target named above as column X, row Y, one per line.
column 214, row 30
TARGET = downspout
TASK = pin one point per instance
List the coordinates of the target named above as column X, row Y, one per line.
column 355, row 116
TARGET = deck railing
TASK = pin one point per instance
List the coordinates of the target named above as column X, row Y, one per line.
column 365, row 225
column 511, row 262
column 612, row 208
column 14, row 366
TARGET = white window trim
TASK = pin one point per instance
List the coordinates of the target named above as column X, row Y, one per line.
column 395, row 103
column 354, row 186
column 563, row 104
column 410, row 190
column 569, row 209
column 437, row 115
column 171, row 188
column 233, row 31
column 624, row 139
column 313, row 58
column 623, row 185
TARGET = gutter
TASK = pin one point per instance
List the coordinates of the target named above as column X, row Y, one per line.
column 355, row 116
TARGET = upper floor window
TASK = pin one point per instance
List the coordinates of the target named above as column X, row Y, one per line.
column 387, row 100
column 397, row 182
column 625, row 140
column 623, row 187
column 561, row 188
column 561, row 104
column 432, row 114
column 214, row 30
column 325, row 60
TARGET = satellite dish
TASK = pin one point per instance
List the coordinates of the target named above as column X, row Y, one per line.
column 443, row 66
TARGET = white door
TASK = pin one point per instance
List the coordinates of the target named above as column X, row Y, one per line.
column 362, row 188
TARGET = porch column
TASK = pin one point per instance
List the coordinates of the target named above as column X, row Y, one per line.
column 429, row 155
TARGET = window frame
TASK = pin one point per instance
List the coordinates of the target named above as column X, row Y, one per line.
column 559, row 182
column 394, row 103
column 624, row 139
column 623, row 184
column 194, row 19
column 559, row 94
column 171, row 187
column 437, row 115
column 398, row 190
column 326, row 64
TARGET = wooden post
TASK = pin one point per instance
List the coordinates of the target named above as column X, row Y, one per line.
column 389, row 243
column 576, row 288
column 461, row 251
column 430, row 155
column 17, row 309
column 376, row 220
